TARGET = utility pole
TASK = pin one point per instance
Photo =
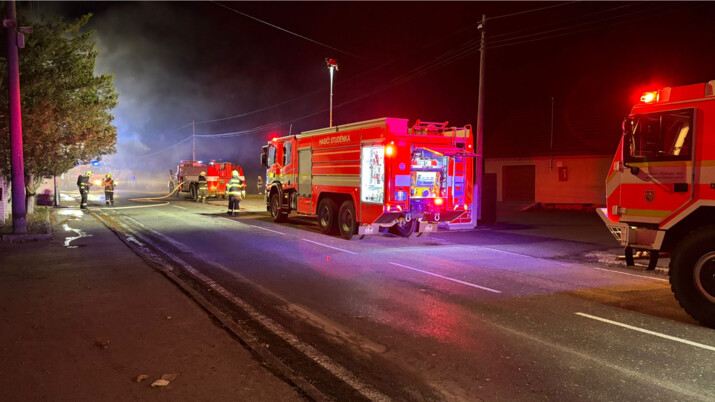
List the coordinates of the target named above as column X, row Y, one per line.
column 551, row 138
column 19, row 213
column 479, row 140
column 193, row 140
column 332, row 66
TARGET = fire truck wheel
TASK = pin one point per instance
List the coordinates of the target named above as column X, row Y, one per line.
column 404, row 229
column 347, row 225
column 327, row 215
column 692, row 275
column 276, row 213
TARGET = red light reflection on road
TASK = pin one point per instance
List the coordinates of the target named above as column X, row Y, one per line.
column 431, row 318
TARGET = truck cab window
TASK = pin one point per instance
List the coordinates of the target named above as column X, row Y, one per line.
column 660, row 136
column 287, row 153
column 271, row 155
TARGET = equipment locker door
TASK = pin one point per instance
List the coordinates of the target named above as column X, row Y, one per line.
column 305, row 179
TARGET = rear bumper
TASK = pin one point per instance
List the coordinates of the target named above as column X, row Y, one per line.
column 632, row 236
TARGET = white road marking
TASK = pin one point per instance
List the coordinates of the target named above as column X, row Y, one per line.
column 135, row 206
column 448, row 278
column 176, row 206
column 645, row 331
column 267, row 230
column 626, row 273
column 509, row 252
column 325, row 245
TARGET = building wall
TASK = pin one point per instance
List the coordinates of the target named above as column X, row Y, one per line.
column 583, row 181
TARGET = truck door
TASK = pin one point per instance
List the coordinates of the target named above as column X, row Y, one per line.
column 658, row 154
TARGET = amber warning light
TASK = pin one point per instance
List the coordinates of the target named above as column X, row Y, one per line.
column 389, row 150
column 649, row 97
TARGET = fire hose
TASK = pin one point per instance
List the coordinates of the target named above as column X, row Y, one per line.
column 149, row 199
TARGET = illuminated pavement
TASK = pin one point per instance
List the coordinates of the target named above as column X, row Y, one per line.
column 483, row 314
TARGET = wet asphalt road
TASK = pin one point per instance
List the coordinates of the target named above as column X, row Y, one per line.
column 475, row 315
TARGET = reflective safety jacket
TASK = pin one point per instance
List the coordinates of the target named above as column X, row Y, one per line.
column 83, row 182
column 203, row 183
column 109, row 185
column 234, row 187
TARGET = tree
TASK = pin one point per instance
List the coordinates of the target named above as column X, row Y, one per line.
column 66, row 109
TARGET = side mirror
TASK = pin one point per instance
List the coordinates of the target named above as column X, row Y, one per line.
column 264, row 156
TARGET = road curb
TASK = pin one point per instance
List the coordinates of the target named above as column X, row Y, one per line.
column 288, row 374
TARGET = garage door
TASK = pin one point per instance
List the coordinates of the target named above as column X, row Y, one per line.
column 518, row 183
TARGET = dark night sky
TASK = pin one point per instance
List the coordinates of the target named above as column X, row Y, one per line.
column 178, row 61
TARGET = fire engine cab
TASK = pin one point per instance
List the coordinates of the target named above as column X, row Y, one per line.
column 660, row 190
column 358, row 178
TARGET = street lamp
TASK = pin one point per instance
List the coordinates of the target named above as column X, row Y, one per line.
column 332, row 66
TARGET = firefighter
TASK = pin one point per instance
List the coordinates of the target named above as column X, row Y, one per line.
column 234, row 191
column 109, row 190
column 84, row 184
column 203, row 188
column 259, row 184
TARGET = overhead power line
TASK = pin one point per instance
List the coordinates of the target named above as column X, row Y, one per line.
column 285, row 30
column 533, row 10
column 167, row 148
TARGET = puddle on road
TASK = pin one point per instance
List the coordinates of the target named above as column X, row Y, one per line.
column 76, row 213
column 72, row 214
column 80, row 234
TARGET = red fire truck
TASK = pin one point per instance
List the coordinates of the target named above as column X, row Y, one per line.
column 217, row 175
column 358, row 178
column 660, row 190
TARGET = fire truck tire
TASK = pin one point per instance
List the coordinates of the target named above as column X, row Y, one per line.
column 404, row 229
column 327, row 216
column 347, row 225
column 692, row 275
column 276, row 213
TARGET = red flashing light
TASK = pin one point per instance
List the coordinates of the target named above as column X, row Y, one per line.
column 438, row 201
column 389, row 150
column 649, row 97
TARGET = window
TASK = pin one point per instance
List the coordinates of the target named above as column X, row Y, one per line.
column 287, row 153
column 657, row 136
column 271, row 155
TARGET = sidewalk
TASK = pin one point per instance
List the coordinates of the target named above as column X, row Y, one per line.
column 82, row 316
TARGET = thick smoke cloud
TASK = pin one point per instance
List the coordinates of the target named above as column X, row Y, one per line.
column 174, row 63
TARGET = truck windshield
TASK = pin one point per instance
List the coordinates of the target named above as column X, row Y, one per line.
column 660, row 136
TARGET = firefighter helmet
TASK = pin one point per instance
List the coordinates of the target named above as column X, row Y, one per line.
column 89, row 173
column 203, row 173
column 109, row 176
column 234, row 173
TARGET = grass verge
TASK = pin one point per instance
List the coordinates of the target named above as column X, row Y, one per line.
column 38, row 222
